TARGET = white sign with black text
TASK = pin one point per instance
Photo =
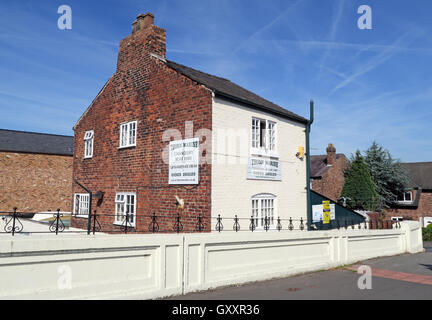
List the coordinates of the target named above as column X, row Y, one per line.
column 264, row 169
column 317, row 212
column 183, row 161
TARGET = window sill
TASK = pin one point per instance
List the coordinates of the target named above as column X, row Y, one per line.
column 121, row 224
column 264, row 152
column 80, row 216
column 126, row 147
column 85, row 158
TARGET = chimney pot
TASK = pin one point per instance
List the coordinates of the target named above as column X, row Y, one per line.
column 143, row 21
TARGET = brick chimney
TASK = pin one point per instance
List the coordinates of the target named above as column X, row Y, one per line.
column 146, row 39
column 331, row 154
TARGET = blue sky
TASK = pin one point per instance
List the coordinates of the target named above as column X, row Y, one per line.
column 367, row 84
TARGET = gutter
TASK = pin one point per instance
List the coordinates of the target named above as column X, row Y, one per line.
column 308, row 189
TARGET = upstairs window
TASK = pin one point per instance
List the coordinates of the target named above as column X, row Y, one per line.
column 125, row 203
column 81, row 204
column 263, row 134
column 406, row 197
column 271, row 133
column 88, row 144
column 128, row 134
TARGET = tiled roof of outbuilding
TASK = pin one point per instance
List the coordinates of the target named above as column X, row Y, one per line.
column 33, row 142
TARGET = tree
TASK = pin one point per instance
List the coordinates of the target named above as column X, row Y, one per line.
column 389, row 177
column 359, row 189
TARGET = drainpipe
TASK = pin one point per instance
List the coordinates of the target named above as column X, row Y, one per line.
column 308, row 189
column 90, row 204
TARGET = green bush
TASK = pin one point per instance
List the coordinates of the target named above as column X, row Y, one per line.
column 427, row 233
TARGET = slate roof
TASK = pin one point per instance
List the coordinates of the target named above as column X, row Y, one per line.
column 226, row 88
column 33, row 142
column 420, row 174
column 318, row 165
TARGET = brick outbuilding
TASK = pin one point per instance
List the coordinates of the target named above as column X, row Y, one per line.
column 160, row 134
column 35, row 171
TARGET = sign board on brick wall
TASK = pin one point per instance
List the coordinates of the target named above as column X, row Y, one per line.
column 264, row 169
column 184, row 161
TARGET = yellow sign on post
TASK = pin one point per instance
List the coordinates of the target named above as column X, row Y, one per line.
column 326, row 212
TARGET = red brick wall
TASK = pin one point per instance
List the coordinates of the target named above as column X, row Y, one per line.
column 331, row 184
column 424, row 208
column 35, row 182
column 146, row 90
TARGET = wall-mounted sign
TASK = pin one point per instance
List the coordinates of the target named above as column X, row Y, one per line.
column 318, row 213
column 183, row 161
column 326, row 212
column 264, row 169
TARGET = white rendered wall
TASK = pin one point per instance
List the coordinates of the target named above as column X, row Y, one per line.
column 231, row 191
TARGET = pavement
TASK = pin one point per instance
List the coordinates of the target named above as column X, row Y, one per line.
column 402, row 277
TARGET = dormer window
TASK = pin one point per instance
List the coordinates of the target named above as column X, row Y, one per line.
column 128, row 134
column 88, row 144
column 406, row 197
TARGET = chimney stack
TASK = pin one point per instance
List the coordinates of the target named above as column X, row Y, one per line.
column 146, row 39
column 331, row 154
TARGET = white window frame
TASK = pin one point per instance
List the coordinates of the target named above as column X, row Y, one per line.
column 83, row 205
column 122, row 199
column 269, row 145
column 128, row 140
column 404, row 198
column 397, row 219
column 262, row 205
column 88, row 144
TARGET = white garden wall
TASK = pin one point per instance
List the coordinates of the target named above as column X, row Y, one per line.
column 152, row 266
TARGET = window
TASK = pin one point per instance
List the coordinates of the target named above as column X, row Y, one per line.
column 263, row 206
column 271, row 136
column 81, row 204
column 128, row 134
column 405, row 197
column 88, row 144
column 263, row 134
column 397, row 218
column 125, row 203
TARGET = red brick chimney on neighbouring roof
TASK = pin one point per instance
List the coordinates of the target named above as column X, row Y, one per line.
column 331, row 154
column 146, row 39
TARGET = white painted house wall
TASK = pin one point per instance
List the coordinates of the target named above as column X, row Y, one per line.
column 231, row 190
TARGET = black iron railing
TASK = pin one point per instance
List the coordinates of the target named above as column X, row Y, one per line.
column 15, row 222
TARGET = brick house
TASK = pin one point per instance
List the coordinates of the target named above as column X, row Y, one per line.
column 35, row 171
column 416, row 202
column 160, row 131
column 328, row 173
